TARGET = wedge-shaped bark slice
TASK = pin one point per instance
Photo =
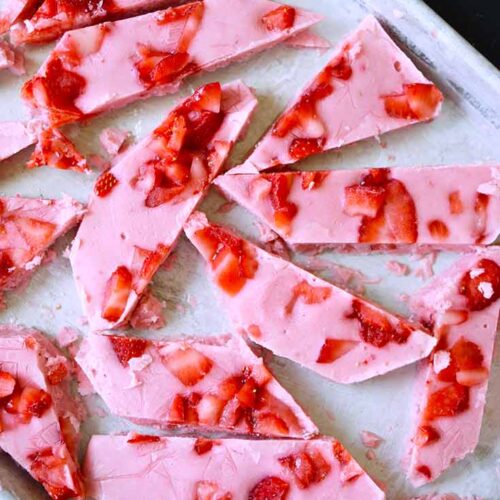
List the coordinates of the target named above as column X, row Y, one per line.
column 29, row 227
column 214, row 384
column 138, row 207
column 121, row 467
column 463, row 305
column 369, row 87
column 39, row 415
column 446, row 207
column 14, row 137
column 301, row 317
column 112, row 64
column 13, row 11
column 53, row 18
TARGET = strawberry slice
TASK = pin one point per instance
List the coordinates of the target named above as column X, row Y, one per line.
column 363, row 200
column 249, row 394
column 127, row 348
column 313, row 180
column 307, row 468
column 447, row 402
column 466, row 355
column 56, row 373
column 341, row 68
column 173, row 132
column 425, row 471
column 37, row 233
column 208, row 490
column 426, row 435
column 397, row 106
column 230, row 387
column 7, row 384
column 284, row 210
column 270, row 424
column 303, row 148
column 202, row 446
column 279, row 19
column 456, row 204
column 470, row 378
column 423, row 99
column 143, row 439
column 105, row 184
column 481, row 290
column 270, row 487
column 438, row 229
column 210, row 409
column 145, row 263
column 334, row 349
column 481, row 210
column 29, row 402
column 116, row 295
column 7, row 266
column 309, row 294
column 207, row 98
column 188, row 365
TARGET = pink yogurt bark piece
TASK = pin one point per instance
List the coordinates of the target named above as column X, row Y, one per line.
column 138, row 207
column 14, row 137
column 13, row 11
column 29, row 227
column 462, row 305
column 53, row 18
column 123, row 467
column 369, row 87
column 443, row 207
column 301, row 317
column 101, row 67
column 210, row 384
column 39, row 415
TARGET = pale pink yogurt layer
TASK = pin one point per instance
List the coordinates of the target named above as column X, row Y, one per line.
column 123, row 467
column 210, row 384
column 14, row 137
column 463, row 306
column 39, row 415
column 138, row 207
column 112, row 64
column 369, row 87
column 301, row 317
column 452, row 206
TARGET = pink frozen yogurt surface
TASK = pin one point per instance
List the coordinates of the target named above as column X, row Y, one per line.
column 463, row 306
column 29, row 227
column 123, row 467
column 210, row 384
column 369, row 87
column 138, row 207
column 438, row 206
column 301, row 317
column 40, row 419
column 14, row 137
column 151, row 55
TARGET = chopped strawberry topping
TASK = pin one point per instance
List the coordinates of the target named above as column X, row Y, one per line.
column 284, row 210
column 279, row 19
column 481, row 210
column 143, row 439
column 419, row 101
column 313, row 180
column 7, row 266
column 207, row 98
column 302, row 148
column 210, row 409
column 127, row 348
column 472, row 377
column 426, row 434
column 447, row 402
column 397, row 106
column 29, row 402
column 202, row 446
column 363, row 200
column 208, row 490
column 341, row 454
column 465, row 356
column 183, row 409
column 438, row 229
column 188, row 365
column 307, row 467
column 37, row 233
column 116, row 295
column 340, row 69
column 309, row 294
column 425, row 471
column 56, row 373
column 271, row 487
column 145, row 263
column 334, row 349
column 105, row 184
column 7, row 384
column 270, row 424
column 455, row 201
column 482, row 289
column 72, row 8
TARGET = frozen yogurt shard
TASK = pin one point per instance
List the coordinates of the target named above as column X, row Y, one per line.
column 448, row 207
column 202, row 384
column 301, row 317
column 369, row 87
column 14, row 137
column 463, row 306
column 138, row 208
column 13, row 11
column 106, row 66
column 123, row 467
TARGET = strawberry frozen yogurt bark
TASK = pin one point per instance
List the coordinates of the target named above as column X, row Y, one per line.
column 301, row 317
column 39, row 416
column 14, row 137
column 138, row 207
column 13, row 11
column 153, row 53
column 211, row 384
column 366, row 208
column 29, row 227
column 462, row 305
column 369, row 87
column 124, row 467
column 53, row 18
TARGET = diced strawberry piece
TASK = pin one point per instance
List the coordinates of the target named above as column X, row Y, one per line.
column 425, row 471
column 229, row 387
column 202, row 446
column 145, row 263
column 400, row 213
column 302, row 148
column 481, row 210
column 37, row 233
column 173, row 131
column 455, row 201
column 202, row 127
column 143, row 439
column 376, row 177
column 127, row 348
column 105, row 184
column 363, row 200
column 470, row 378
column 116, row 295
column 7, row 384
column 208, row 490
column 249, row 394
column 56, row 373
column 210, row 409
column 207, row 98
column 482, row 289
column 233, row 414
column 279, row 19
column 447, row 402
column 397, row 106
column 269, row 424
column 334, row 349
column 6, row 266
column 31, row 402
column 341, row 454
column 308, row 468
column 178, row 409
column 426, row 434
column 438, row 229
column 188, row 365
column 313, row 180
column 284, row 211
column 423, row 99
column 309, row 294
column 341, row 69
column 271, row 487
column 466, row 355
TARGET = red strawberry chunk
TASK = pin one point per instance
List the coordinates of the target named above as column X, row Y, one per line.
column 340, row 69
column 466, row 355
column 302, row 148
column 279, row 19
column 423, row 99
column 334, row 349
column 29, row 402
column 127, row 348
column 456, row 204
column 397, row 106
column 313, row 180
column 363, row 200
column 210, row 409
column 438, row 229
column 202, row 446
column 470, row 378
column 188, row 365
column 209, row 490
column 426, row 434
column 481, row 211
column 7, row 384
column 229, row 387
column 249, row 394
column 309, row 294
column 56, row 373
column 271, row 487
column 307, row 467
column 483, row 289
column 447, row 402
column 341, row 454
column 143, row 439
column 37, row 233
column 425, row 471
column 284, row 210
column 105, row 184
column 116, row 295
column 207, row 98
column 178, row 409
column 376, row 329
column 6, row 266
column 269, row 424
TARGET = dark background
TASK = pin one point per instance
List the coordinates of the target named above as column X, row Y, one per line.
column 476, row 21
